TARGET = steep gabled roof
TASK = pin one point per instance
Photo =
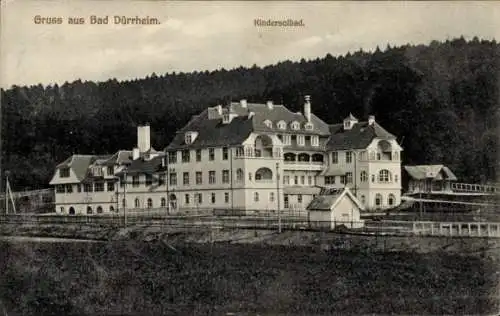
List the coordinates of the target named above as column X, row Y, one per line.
column 420, row 172
column 358, row 137
column 79, row 164
column 329, row 201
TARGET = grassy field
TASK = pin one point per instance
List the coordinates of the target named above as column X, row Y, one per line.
column 139, row 278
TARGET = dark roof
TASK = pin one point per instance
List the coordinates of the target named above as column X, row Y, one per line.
column 212, row 133
column 358, row 137
column 144, row 166
column 323, row 202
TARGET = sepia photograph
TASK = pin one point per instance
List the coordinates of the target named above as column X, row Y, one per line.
column 246, row 158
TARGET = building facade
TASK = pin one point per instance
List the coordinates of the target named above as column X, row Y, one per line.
column 243, row 156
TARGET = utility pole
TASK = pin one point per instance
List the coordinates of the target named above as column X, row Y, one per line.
column 124, row 198
column 278, row 195
column 6, row 192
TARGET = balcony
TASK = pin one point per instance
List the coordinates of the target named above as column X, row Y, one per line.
column 303, row 161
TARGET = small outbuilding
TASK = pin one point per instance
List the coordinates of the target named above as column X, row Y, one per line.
column 335, row 208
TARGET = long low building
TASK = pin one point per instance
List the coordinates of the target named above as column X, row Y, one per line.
column 243, row 156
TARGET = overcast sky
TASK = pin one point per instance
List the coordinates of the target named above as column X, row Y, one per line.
column 211, row 35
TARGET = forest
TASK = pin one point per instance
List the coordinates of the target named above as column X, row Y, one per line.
column 442, row 101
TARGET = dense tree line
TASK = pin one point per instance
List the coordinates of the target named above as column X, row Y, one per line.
column 441, row 100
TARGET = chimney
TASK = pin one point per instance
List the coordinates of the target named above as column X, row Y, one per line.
column 307, row 107
column 135, row 154
column 243, row 103
column 250, row 115
column 270, row 105
column 371, row 119
column 219, row 109
column 143, row 138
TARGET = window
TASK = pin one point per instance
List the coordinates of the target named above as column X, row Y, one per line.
column 185, row 178
column 198, row 154
column 287, row 139
column 150, row 203
column 79, row 188
column 268, row 123
column 173, row 178
column 110, row 171
column 286, row 179
column 60, row 188
column 315, row 140
column 256, row 197
column 295, row 125
column 391, row 200
column 363, row 199
column 308, row 126
column 309, row 180
column 186, row 199
column 99, row 187
column 87, row 187
column 149, row 180
column 124, row 202
column 199, row 177
column 342, row 179
column 188, row 138
column 285, row 201
column 163, row 202
column 301, row 140
column 200, row 199
column 384, row 176
column 186, row 155
column 135, row 181
column 348, row 177
column 335, row 157
column 225, row 153
column 250, row 176
column 299, row 198
column 211, row 154
column 378, row 156
column 271, row 196
column 62, row 209
column 396, row 155
column 226, row 197
column 225, row 176
column 363, row 177
column 69, row 188
column 64, row 173
column 395, row 178
column 137, row 203
column 111, row 186
column 239, row 175
column 373, row 178
column 348, row 156
column 240, row 152
column 172, row 157
column 111, row 209
column 161, row 179
column 296, row 180
column 212, row 198
column 302, row 179
column 372, row 155
column 211, row 177
column 330, row 180
column 281, row 125
column 378, row 199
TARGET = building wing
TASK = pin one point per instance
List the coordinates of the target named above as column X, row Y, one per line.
column 357, row 137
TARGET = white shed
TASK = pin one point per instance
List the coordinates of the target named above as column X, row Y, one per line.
column 338, row 207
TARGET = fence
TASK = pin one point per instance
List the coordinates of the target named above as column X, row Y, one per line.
column 371, row 227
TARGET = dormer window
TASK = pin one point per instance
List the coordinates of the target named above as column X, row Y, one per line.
column 268, row 123
column 295, row 125
column 226, row 118
column 349, row 122
column 308, row 126
column 64, row 172
column 281, row 125
column 189, row 137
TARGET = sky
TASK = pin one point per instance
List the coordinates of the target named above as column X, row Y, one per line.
column 198, row 36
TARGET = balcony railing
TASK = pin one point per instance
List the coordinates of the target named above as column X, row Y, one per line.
column 304, row 162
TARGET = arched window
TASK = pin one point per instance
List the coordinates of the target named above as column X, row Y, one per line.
column 391, row 200
column 268, row 123
column 150, row 203
column 72, row 211
column 256, row 196
column 363, row 176
column 289, row 156
column 239, row 174
column 163, row 202
column 378, row 200
column 89, row 210
column 137, row 203
column 304, row 157
column 99, row 209
column 263, row 174
column 384, row 176
column 111, row 209
column 281, row 125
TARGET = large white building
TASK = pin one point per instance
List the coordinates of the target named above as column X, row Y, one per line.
column 243, row 156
